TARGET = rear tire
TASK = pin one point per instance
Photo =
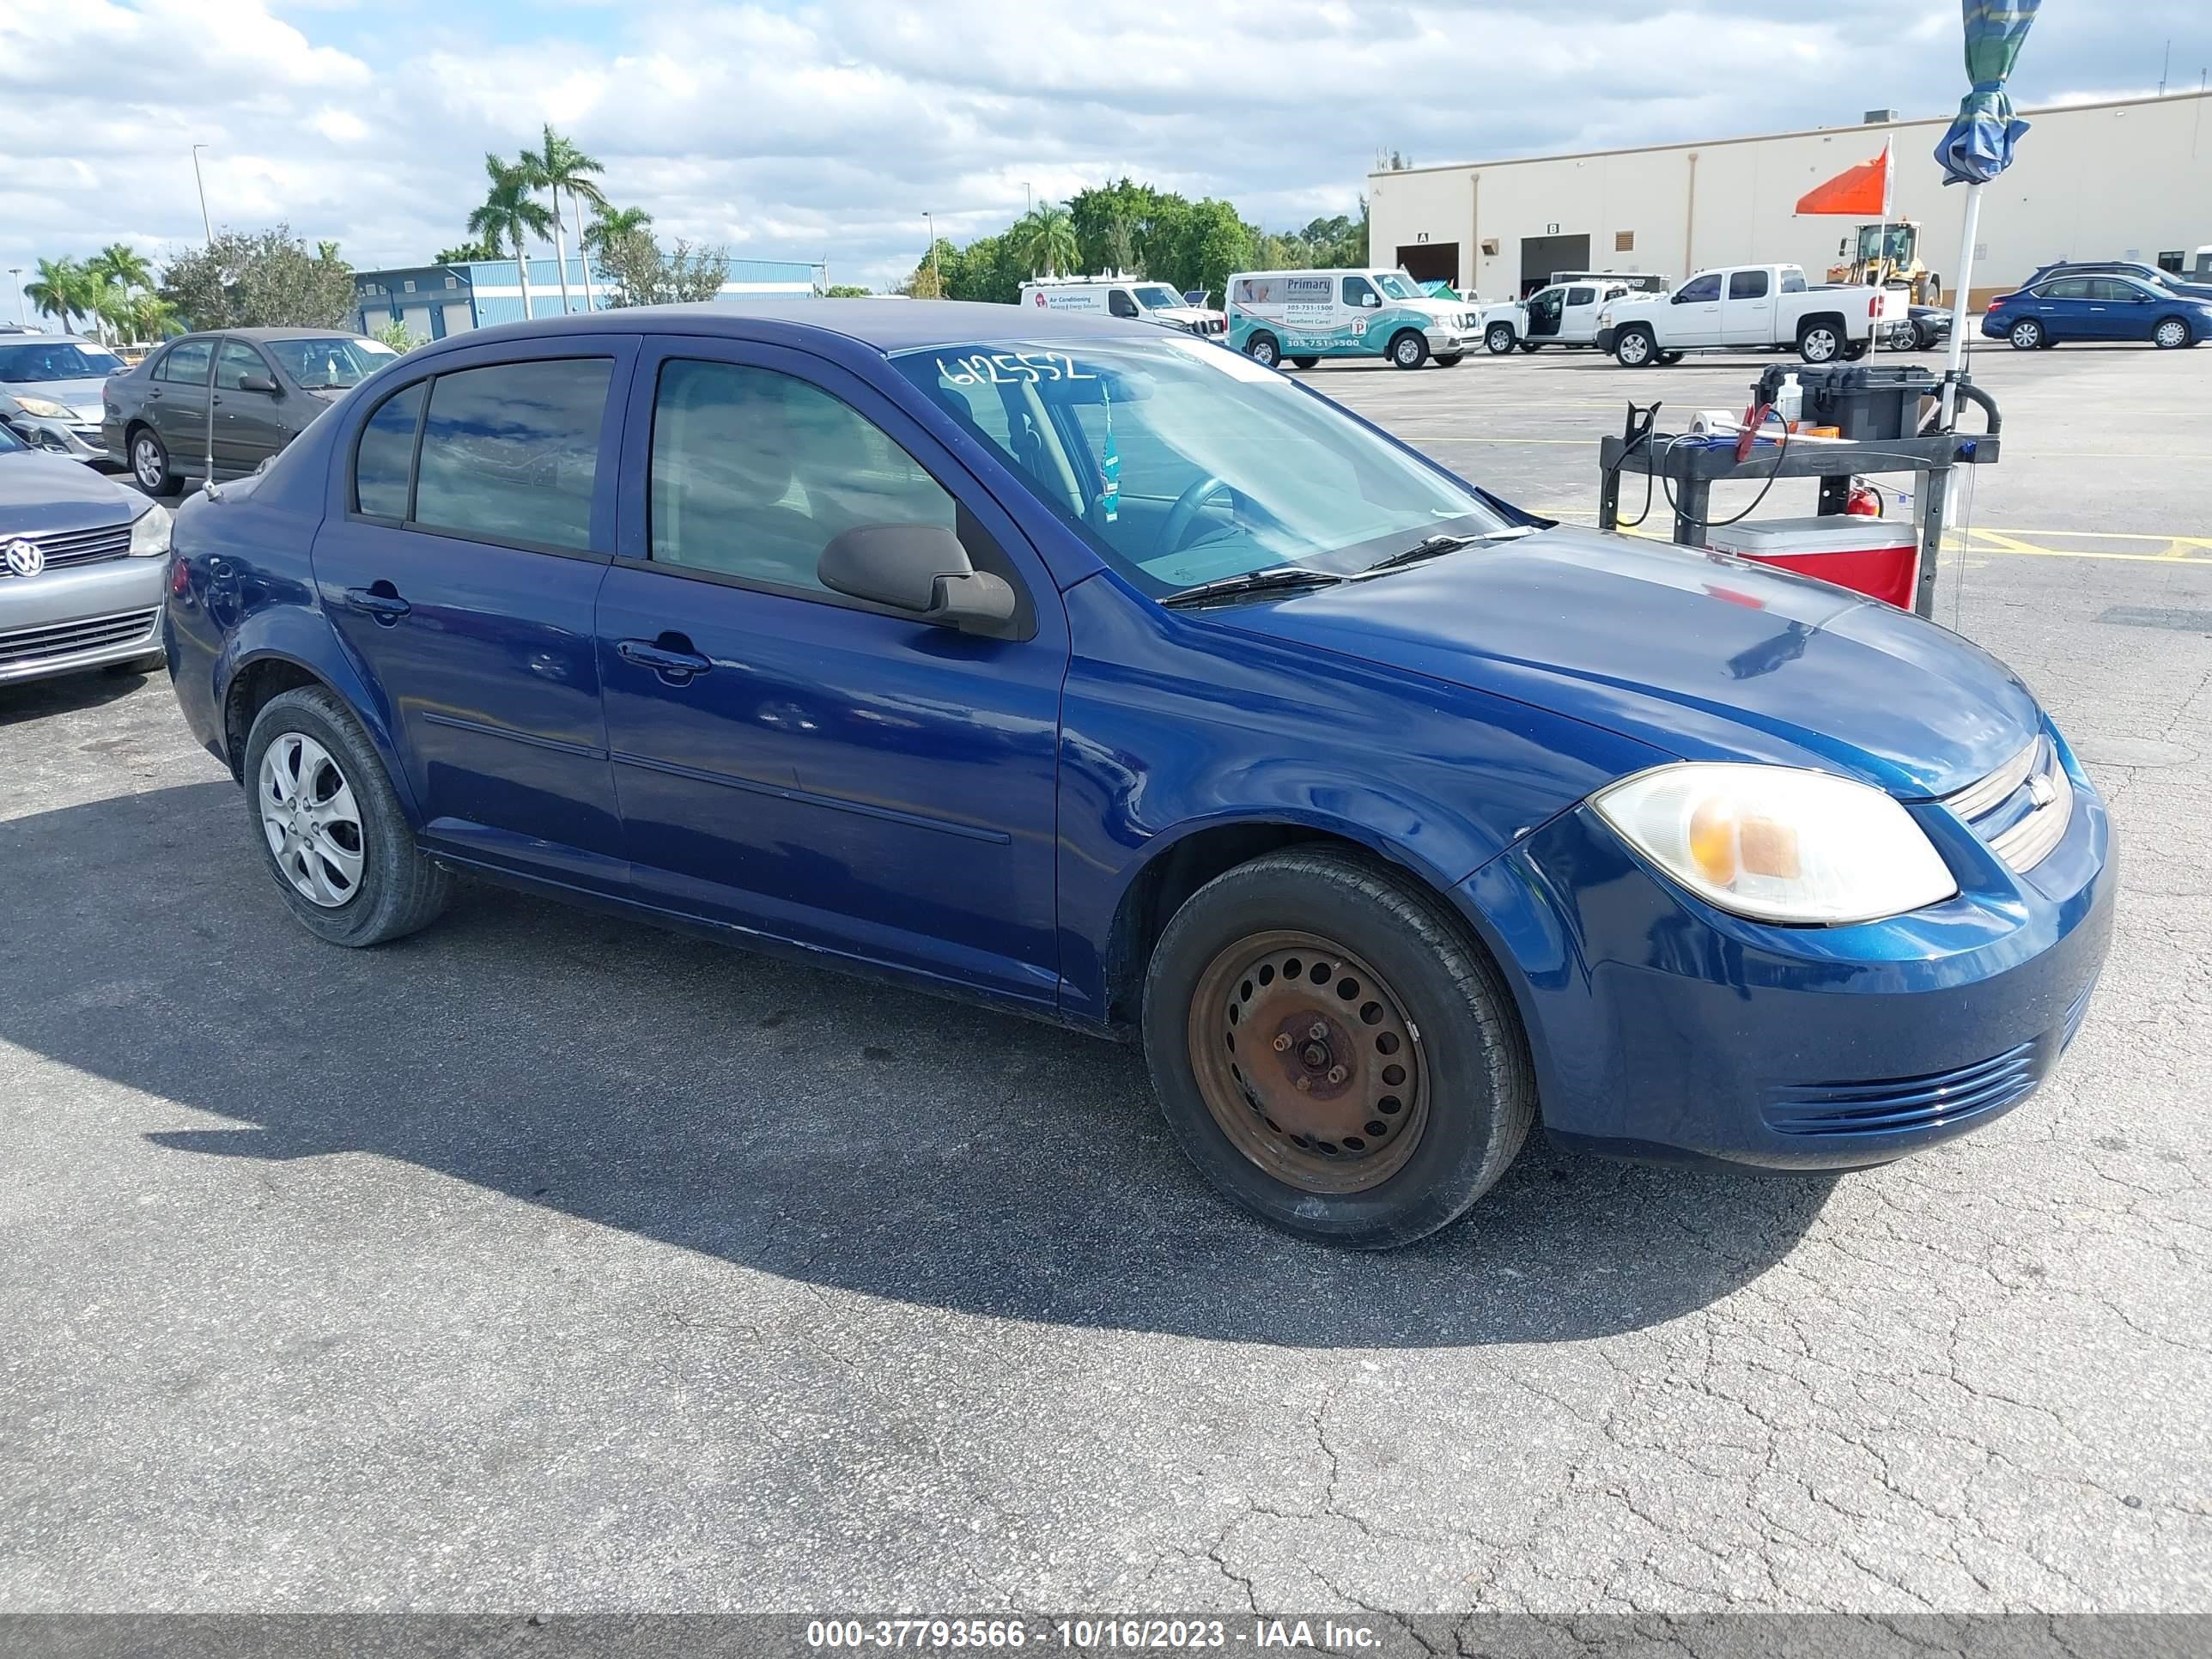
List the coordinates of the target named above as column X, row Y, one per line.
column 1408, row 349
column 1821, row 341
column 1449, row 359
column 1532, row 347
column 2027, row 335
column 1265, row 350
column 151, row 468
column 1417, row 1027
column 1668, row 359
column 1304, row 362
column 374, row 883
column 1499, row 339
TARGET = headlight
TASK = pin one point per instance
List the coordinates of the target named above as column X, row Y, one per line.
column 44, row 408
column 1779, row 844
column 150, row 533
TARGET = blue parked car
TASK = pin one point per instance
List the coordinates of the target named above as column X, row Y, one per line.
column 1084, row 669
column 2098, row 309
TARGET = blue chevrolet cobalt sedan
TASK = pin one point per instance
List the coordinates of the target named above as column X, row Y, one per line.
column 1090, row 670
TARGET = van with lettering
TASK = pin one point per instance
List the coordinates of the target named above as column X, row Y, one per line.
column 1303, row 316
column 1125, row 296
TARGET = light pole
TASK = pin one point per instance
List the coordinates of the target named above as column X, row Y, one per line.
column 16, row 273
column 936, row 282
column 204, row 225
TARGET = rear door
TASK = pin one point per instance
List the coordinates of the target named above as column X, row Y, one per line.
column 2063, row 308
column 1747, row 312
column 1578, row 321
column 461, row 576
column 247, row 429
column 829, row 772
column 177, row 403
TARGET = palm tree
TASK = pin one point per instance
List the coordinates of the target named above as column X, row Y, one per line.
column 115, row 271
column 61, row 289
column 149, row 316
column 468, row 252
column 1047, row 240
column 561, row 166
column 611, row 224
column 510, row 214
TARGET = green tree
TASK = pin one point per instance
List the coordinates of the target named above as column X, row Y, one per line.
column 1048, row 241
column 1114, row 224
column 259, row 279
column 639, row 274
column 327, row 250
column 608, row 222
column 846, row 291
column 510, row 216
column 467, row 252
column 63, row 288
column 1199, row 245
column 561, row 169
column 395, row 334
column 148, row 318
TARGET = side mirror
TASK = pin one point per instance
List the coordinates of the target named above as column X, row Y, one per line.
column 1370, row 302
column 920, row 569
column 258, row 383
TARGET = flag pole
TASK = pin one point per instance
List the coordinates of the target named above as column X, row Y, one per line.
column 1881, row 242
column 1964, row 286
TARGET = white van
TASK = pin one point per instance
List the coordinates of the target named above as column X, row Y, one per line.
column 1124, row 296
column 1307, row 315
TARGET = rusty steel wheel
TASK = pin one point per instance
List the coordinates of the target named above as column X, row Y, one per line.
column 1309, row 1061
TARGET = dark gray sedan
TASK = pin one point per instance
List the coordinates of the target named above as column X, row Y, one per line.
column 240, row 394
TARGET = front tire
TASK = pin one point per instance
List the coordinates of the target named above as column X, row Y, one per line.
column 1265, row 350
column 330, row 827
column 2171, row 334
column 1317, row 966
column 1499, row 340
column 1408, row 349
column 151, row 468
column 2027, row 335
column 1634, row 347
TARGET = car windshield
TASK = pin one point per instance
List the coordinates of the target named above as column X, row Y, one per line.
column 56, row 360
column 1180, row 463
column 1157, row 296
column 1396, row 287
column 325, row 364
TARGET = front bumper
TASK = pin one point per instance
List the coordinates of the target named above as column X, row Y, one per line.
column 65, row 621
column 1662, row 1028
column 1445, row 340
column 1605, row 339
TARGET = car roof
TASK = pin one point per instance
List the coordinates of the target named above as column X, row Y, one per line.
column 884, row 328
column 270, row 334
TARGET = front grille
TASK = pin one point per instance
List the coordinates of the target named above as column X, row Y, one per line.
column 1891, row 1105
column 27, row 645
column 2022, row 809
column 77, row 547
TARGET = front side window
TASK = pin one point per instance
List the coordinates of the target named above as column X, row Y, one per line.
column 1158, row 296
column 754, row 473
column 1397, row 287
column 1700, row 290
column 1359, row 291
column 1747, row 285
column 55, row 359
column 188, row 363
column 384, row 458
column 1179, row 463
column 1119, row 302
column 510, row 452
column 234, row 362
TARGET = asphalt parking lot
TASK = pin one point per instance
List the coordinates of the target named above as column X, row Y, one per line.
column 544, row 1261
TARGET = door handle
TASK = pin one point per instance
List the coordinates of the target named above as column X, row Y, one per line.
column 385, row 607
column 674, row 664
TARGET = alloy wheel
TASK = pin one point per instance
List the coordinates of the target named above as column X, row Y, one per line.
column 1309, row 1061
column 146, row 464
column 312, row 821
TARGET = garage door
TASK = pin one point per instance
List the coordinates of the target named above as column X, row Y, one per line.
column 1542, row 255
column 1430, row 262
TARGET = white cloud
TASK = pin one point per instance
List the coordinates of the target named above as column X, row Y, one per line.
column 826, row 129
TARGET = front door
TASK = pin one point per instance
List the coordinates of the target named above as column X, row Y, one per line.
column 1545, row 310
column 176, row 403
column 246, row 429
column 2119, row 310
column 815, row 769
column 1747, row 314
column 462, row 584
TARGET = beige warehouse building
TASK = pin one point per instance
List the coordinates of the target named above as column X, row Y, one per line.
column 2130, row 179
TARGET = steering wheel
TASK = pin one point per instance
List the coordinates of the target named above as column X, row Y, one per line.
column 1177, row 523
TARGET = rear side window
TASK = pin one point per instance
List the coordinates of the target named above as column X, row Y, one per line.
column 1747, row 285
column 510, row 452
column 1582, row 296
column 386, row 455
column 1793, row 281
column 187, row 363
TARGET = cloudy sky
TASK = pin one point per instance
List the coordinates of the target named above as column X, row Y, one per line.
column 825, row 131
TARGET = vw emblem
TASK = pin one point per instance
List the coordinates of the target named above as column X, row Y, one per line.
column 2041, row 791
column 26, row 558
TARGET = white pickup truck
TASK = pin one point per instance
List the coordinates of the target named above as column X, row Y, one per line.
column 1565, row 314
column 1748, row 308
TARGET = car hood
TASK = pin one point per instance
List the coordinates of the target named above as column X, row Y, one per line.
column 81, row 396
column 41, row 493
column 1701, row 655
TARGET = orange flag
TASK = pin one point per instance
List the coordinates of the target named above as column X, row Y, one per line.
column 1862, row 193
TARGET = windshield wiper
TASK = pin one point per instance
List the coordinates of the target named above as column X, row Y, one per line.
column 1282, row 579
column 1435, row 547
